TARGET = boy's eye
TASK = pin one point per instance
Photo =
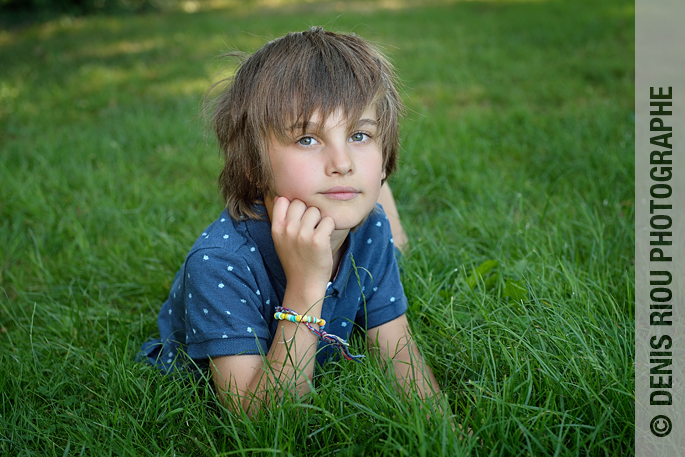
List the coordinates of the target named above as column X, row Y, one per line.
column 359, row 136
column 306, row 141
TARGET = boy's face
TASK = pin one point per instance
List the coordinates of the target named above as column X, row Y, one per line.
column 337, row 172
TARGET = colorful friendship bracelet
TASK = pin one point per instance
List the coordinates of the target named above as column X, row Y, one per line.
column 299, row 318
column 341, row 344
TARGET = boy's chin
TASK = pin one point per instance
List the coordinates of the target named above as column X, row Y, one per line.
column 348, row 222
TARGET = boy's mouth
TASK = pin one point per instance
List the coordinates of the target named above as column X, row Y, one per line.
column 341, row 193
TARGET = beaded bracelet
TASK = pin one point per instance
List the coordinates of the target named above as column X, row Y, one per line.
column 281, row 316
column 341, row 344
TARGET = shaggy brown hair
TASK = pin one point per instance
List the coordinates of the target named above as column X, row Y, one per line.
column 283, row 84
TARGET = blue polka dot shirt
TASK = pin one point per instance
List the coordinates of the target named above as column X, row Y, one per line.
column 223, row 298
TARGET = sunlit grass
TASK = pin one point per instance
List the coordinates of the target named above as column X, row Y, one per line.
column 517, row 148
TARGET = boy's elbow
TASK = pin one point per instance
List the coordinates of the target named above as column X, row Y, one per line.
column 236, row 379
column 238, row 402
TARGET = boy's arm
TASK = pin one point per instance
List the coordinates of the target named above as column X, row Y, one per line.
column 288, row 365
column 302, row 241
column 394, row 342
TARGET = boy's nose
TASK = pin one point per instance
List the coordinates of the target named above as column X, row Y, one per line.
column 339, row 160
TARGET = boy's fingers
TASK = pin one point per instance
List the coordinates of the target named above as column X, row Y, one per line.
column 326, row 227
column 296, row 210
column 280, row 208
column 311, row 217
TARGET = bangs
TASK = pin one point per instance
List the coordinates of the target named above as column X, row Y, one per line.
column 309, row 72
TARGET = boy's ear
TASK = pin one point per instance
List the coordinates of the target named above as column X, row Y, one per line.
column 383, row 176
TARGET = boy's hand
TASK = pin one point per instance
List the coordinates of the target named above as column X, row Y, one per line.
column 303, row 244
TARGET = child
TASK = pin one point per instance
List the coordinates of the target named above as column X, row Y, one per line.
column 309, row 132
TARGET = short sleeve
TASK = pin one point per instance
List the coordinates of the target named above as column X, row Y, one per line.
column 224, row 309
column 385, row 299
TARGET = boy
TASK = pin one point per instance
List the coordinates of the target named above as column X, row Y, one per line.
column 309, row 132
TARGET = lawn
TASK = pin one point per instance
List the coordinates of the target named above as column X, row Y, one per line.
column 516, row 189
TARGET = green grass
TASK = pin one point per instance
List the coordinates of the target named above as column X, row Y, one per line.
column 518, row 147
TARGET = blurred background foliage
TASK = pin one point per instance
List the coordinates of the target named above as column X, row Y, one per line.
column 18, row 12
column 22, row 12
